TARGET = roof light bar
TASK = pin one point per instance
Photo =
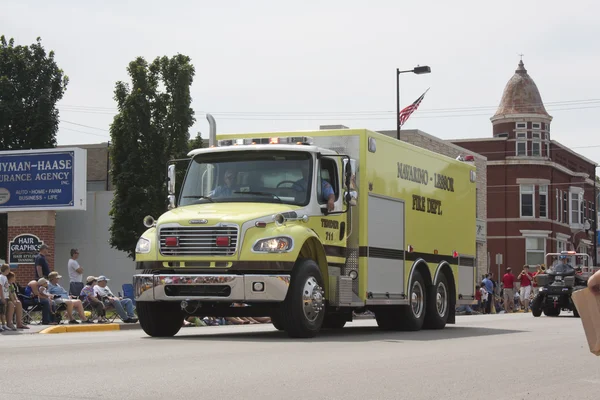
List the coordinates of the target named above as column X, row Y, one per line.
column 301, row 140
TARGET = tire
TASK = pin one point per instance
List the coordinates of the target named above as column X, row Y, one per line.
column 277, row 321
column 334, row 321
column 438, row 304
column 404, row 318
column 552, row 312
column 160, row 319
column 536, row 306
column 304, row 306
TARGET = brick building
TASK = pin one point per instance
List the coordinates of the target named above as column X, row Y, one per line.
column 540, row 193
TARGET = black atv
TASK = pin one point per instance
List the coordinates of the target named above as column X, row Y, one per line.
column 557, row 284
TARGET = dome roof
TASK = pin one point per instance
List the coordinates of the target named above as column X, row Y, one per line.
column 521, row 96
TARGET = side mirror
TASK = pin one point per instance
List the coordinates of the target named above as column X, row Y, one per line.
column 171, row 179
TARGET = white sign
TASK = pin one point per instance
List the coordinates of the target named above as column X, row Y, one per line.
column 481, row 231
column 43, row 179
column 499, row 259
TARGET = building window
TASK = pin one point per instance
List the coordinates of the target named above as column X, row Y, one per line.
column 561, row 246
column 565, row 207
column 536, row 149
column 521, row 148
column 535, row 135
column 557, row 201
column 521, row 125
column 543, row 201
column 548, row 150
column 583, row 248
column 527, row 203
column 583, row 211
column 575, row 209
column 536, row 125
column 535, row 250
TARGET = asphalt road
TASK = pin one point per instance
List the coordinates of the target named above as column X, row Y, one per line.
column 489, row 356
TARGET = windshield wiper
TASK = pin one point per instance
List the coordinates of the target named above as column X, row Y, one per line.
column 199, row 198
column 261, row 194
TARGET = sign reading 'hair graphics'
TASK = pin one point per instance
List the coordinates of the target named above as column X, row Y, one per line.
column 422, row 177
column 23, row 249
column 43, row 179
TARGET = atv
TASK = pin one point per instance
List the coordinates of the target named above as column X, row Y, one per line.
column 557, row 283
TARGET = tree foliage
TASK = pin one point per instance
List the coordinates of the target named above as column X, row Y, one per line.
column 151, row 128
column 31, row 83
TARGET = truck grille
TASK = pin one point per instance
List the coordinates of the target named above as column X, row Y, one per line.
column 198, row 241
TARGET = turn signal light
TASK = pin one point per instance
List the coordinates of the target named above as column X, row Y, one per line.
column 455, row 254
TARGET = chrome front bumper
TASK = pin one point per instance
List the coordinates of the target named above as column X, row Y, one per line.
column 227, row 288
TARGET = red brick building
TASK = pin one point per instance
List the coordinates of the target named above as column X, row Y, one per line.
column 540, row 194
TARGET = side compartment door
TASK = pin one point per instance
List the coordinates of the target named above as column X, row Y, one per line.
column 385, row 249
column 467, row 275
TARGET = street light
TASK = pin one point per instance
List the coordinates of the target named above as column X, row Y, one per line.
column 416, row 70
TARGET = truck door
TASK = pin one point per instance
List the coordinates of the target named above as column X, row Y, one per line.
column 333, row 227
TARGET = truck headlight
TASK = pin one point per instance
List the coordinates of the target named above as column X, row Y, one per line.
column 142, row 246
column 273, row 245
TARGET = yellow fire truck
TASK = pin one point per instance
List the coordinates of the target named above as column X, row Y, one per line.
column 308, row 228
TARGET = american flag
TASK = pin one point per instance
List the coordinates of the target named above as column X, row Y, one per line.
column 407, row 111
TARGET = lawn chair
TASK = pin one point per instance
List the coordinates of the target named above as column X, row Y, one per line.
column 32, row 309
column 128, row 292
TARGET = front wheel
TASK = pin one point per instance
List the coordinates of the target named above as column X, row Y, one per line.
column 304, row 306
column 536, row 306
column 160, row 319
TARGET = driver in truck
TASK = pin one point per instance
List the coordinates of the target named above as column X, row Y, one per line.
column 327, row 192
column 227, row 189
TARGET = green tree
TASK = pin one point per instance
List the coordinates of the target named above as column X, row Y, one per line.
column 31, row 83
column 151, row 128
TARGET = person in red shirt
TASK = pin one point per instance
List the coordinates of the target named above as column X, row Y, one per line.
column 508, row 286
column 525, row 278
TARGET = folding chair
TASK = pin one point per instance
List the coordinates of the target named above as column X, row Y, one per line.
column 32, row 309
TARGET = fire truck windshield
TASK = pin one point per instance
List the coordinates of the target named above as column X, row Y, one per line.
column 272, row 176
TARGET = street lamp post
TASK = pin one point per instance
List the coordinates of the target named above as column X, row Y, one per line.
column 417, row 70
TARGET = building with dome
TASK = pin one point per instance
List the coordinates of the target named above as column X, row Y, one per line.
column 540, row 193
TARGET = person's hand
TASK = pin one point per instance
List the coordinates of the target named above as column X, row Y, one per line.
column 330, row 204
column 594, row 283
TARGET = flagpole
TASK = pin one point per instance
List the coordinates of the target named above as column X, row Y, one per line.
column 398, row 103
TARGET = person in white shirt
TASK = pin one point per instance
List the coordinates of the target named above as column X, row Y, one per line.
column 103, row 292
column 73, row 267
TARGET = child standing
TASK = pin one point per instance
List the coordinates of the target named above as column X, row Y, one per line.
column 14, row 304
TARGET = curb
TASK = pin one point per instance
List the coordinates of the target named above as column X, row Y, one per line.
column 89, row 328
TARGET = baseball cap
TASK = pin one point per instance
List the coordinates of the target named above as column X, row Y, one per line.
column 91, row 279
column 103, row 278
column 42, row 281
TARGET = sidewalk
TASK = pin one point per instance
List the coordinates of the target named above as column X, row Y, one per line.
column 65, row 328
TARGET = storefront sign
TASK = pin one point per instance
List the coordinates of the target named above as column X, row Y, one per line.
column 481, row 232
column 49, row 179
column 23, row 249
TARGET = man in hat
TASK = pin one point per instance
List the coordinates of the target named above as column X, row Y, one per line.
column 103, row 292
column 63, row 297
column 89, row 297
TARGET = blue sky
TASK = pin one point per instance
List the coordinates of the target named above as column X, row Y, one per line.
column 273, row 65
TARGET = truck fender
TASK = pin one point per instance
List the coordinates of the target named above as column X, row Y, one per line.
column 313, row 248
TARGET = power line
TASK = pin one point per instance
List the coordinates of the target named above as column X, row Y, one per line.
column 549, row 105
column 85, row 126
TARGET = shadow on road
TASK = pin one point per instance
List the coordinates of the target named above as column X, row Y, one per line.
column 350, row 334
